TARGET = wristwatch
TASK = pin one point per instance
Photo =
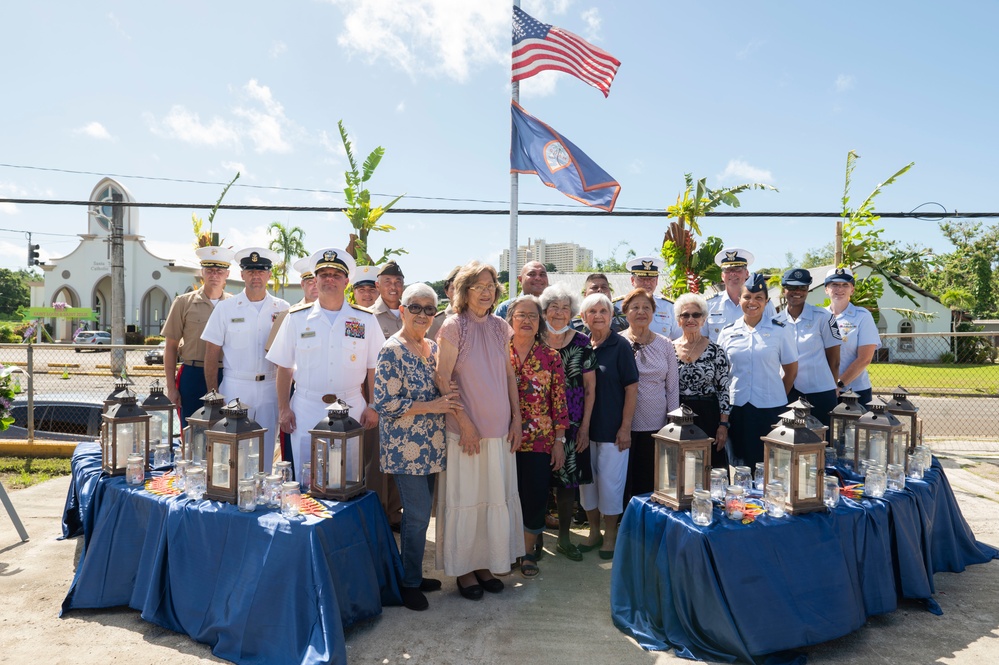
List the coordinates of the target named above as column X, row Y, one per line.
column 840, row 384
column 560, row 439
column 724, row 423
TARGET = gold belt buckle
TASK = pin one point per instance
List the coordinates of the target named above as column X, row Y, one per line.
column 329, row 398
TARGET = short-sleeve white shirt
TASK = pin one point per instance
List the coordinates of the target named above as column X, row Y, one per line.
column 856, row 326
column 756, row 357
column 813, row 332
column 241, row 331
column 722, row 311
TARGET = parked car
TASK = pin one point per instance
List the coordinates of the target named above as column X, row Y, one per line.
column 154, row 356
column 89, row 338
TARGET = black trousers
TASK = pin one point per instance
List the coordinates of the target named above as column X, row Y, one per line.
column 749, row 424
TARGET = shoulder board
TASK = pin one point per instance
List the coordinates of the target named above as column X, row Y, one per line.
column 618, row 299
column 663, row 298
column 359, row 308
column 439, row 314
column 778, row 323
column 729, row 326
column 300, row 307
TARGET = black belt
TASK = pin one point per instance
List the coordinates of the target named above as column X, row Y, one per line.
column 195, row 363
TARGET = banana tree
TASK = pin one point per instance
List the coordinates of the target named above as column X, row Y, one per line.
column 209, row 238
column 689, row 268
column 362, row 216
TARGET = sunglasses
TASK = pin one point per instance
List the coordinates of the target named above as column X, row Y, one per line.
column 692, row 315
column 429, row 310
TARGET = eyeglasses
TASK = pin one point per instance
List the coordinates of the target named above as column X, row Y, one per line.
column 692, row 315
column 525, row 316
column 476, row 288
column 429, row 310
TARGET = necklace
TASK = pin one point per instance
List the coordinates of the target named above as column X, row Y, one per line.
column 689, row 355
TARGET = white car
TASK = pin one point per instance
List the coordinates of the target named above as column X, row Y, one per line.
column 91, row 338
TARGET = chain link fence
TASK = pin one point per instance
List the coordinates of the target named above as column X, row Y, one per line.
column 952, row 378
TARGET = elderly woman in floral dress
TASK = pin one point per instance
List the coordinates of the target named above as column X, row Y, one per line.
column 411, row 426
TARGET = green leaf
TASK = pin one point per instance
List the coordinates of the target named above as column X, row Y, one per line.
column 371, row 163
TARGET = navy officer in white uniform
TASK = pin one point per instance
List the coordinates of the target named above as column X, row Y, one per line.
column 329, row 348
column 238, row 330
column 817, row 340
column 645, row 275
column 764, row 366
column 723, row 308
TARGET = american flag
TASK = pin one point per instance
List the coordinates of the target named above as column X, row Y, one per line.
column 538, row 47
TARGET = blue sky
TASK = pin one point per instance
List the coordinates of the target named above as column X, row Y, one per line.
column 775, row 92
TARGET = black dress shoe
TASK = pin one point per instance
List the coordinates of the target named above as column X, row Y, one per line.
column 473, row 592
column 430, row 584
column 493, row 585
column 414, row 599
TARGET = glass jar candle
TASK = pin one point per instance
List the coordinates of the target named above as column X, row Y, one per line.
column 195, row 483
column 774, row 499
column 135, row 473
column 896, row 477
column 180, row 472
column 284, row 470
column 735, row 501
column 161, row 455
column 914, row 466
column 830, row 491
column 259, row 483
column 743, row 477
column 700, row 508
column 719, row 481
column 925, row 456
column 758, row 476
column 831, row 458
column 247, row 495
column 306, row 476
column 876, row 482
column 291, row 498
column 272, row 488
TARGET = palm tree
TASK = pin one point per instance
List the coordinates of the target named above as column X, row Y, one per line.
column 289, row 243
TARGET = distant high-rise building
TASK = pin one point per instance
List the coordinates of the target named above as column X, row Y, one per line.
column 566, row 256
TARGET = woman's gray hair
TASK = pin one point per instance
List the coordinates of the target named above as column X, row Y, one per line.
column 559, row 293
column 690, row 299
column 525, row 301
column 418, row 290
column 595, row 299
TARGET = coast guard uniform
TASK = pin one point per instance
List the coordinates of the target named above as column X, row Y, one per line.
column 857, row 328
column 663, row 319
column 722, row 312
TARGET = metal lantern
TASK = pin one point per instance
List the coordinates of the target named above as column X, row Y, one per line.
column 121, row 386
column 795, row 456
column 193, row 444
column 811, row 422
column 232, row 452
column 905, row 411
column 126, row 432
column 337, row 455
column 683, row 460
column 843, row 425
column 881, row 436
column 162, row 415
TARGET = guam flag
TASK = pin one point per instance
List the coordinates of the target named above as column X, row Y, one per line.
column 537, row 148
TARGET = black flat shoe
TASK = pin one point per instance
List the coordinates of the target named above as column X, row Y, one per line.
column 606, row 556
column 589, row 548
column 493, row 585
column 569, row 551
column 414, row 599
column 430, row 584
column 473, row 592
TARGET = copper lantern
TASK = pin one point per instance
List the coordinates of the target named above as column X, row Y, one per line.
column 233, row 448
column 881, row 436
column 843, row 424
column 337, row 455
column 193, row 444
column 683, row 460
column 126, row 432
column 794, row 456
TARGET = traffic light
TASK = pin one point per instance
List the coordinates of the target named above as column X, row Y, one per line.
column 33, row 255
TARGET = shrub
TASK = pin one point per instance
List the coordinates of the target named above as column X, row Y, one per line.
column 153, row 340
column 947, row 358
column 8, row 335
column 135, row 338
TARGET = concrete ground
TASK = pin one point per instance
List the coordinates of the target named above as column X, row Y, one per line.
column 561, row 616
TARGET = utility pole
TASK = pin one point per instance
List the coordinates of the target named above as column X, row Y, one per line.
column 117, row 287
column 838, row 245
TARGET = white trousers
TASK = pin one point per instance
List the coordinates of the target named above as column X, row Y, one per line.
column 260, row 397
column 610, row 470
column 309, row 411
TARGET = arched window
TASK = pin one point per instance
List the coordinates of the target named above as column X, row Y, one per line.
column 905, row 327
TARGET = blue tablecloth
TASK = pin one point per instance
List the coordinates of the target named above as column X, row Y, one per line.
column 255, row 586
column 753, row 592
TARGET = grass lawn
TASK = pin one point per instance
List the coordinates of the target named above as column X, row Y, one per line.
column 21, row 472
column 936, row 377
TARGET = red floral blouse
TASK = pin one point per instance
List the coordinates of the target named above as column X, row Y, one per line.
column 541, row 386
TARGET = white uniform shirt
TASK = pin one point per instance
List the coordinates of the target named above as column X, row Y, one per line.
column 329, row 359
column 857, row 327
column 813, row 332
column 756, row 357
column 664, row 320
column 722, row 311
column 241, row 331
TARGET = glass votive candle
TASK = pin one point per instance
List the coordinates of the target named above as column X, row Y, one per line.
column 247, row 495
column 896, row 477
column 180, row 472
column 830, row 491
column 291, row 499
column 195, row 483
column 272, row 489
column 914, row 466
column 743, row 477
column 161, row 455
column 700, row 508
column 735, row 501
column 135, row 472
column 925, row 456
column 875, row 482
column 774, row 499
column 259, row 482
column 284, row 470
column 719, row 481
column 306, row 476
column 831, row 457
column 758, row 476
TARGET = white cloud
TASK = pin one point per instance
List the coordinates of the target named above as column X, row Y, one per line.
column 94, row 130
column 266, row 129
column 744, row 172
column 437, row 37
column 10, row 190
column 749, row 49
column 186, row 126
column 844, row 82
column 591, row 17
column 8, row 208
column 637, row 166
column 235, row 167
column 278, row 48
column 400, row 107
column 254, row 237
column 542, row 84
column 116, row 24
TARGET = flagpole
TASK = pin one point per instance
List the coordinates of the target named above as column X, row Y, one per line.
column 513, row 268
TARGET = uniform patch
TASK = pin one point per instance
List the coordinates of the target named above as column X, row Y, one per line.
column 307, row 334
column 239, row 320
column 274, row 316
column 353, row 328
column 835, row 329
